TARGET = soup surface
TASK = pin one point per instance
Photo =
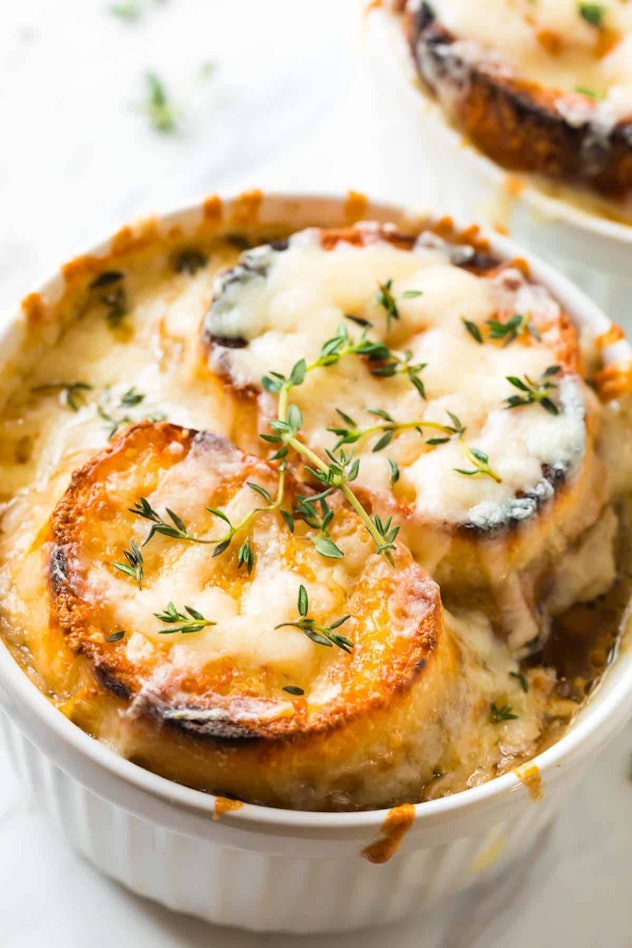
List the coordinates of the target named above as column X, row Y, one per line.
column 328, row 638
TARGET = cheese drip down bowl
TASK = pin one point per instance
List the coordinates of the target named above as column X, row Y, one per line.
column 279, row 866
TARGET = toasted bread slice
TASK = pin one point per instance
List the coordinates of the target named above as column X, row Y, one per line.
column 485, row 473
column 567, row 135
column 199, row 645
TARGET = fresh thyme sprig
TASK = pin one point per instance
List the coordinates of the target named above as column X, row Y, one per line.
column 130, row 10
column 116, row 416
column 387, row 431
column 158, row 108
column 385, row 298
column 306, row 509
column 508, row 331
column 188, row 621
column 537, row 393
column 500, row 713
column 133, row 565
column 351, row 432
column 245, row 553
column 177, row 529
column 320, row 634
column 593, row 14
column 480, row 464
column 114, row 298
column 515, row 326
column 189, row 260
column 338, row 471
column 382, row 361
column 72, row 394
column 521, row 678
column 473, row 329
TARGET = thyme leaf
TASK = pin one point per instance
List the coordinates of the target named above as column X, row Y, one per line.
column 593, row 14
column 130, row 10
column 173, row 527
column 537, row 392
column 115, row 636
column 521, row 679
column 72, row 394
column 480, row 464
column 515, row 326
column 133, row 565
column 184, row 622
column 115, row 415
column 500, row 713
column 320, row 634
column 473, row 330
column 384, row 297
column 189, row 260
column 158, row 108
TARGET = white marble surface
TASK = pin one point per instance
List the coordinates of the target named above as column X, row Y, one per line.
column 283, row 108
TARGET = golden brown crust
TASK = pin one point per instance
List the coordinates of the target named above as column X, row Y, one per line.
column 516, row 122
column 86, row 525
column 474, row 556
column 467, row 249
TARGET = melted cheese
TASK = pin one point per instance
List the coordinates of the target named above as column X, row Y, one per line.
column 549, row 43
column 302, row 299
column 287, row 311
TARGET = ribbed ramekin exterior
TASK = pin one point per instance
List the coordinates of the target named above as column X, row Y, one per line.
column 267, row 892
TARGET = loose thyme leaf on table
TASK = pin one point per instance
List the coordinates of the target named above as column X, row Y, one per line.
column 130, row 10
column 189, row 260
column 158, row 108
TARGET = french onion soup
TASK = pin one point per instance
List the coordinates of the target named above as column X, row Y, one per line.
column 325, row 520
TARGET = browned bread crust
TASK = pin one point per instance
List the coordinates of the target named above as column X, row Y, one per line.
column 515, row 121
column 238, row 727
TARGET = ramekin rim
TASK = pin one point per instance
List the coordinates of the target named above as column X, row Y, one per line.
column 591, row 716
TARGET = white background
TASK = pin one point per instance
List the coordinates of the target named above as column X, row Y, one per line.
column 284, row 108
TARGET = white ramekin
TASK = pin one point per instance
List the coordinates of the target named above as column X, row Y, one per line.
column 420, row 157
column 268, row 869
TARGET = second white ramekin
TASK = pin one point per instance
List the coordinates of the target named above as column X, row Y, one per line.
column 422, row 158
column 268, row 869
